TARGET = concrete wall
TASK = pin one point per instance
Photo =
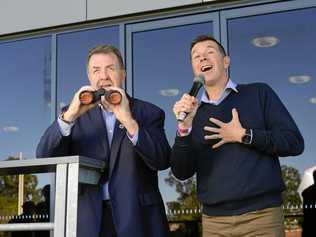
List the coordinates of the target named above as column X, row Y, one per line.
column 101, row 8
column 19, row 15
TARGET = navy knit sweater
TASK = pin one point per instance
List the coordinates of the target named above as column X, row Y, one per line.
column 236, row 178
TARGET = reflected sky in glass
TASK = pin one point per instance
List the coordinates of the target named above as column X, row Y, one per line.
column 25, row 97
column 162, row 73
column 293, row 55
column 161, row 66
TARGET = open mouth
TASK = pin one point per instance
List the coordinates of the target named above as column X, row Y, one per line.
column 105, row 85
column 206, row 68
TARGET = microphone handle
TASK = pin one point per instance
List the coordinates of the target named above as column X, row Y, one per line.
column 195, row 88
column 181, row 117
column 193, row 92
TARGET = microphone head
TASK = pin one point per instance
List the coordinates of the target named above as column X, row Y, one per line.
column 199, row 79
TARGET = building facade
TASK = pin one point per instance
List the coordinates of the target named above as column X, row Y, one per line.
column 44, row 44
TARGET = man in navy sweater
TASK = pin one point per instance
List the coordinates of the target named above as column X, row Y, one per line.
column 232, row 140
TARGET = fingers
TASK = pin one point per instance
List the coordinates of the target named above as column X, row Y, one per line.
column 122, row 91
column 217, row 122
column 235, row 114
column 76, row 99
column 213, row 136
column 105, row 103
column 85, row 88
column 121, row 110
column 220, row 143
column 76, row 108
column 218, row 132
column 212, row 129
column 187, row 104
column 226, row 132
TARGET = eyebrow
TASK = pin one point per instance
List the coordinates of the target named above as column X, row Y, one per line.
column 208, row 47
column 98, row 67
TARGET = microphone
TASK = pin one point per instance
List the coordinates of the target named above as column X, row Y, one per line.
column 198, row 82
column 88, row 97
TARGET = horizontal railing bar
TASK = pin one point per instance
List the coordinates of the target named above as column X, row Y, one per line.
column 27, row 226
column 47, row 165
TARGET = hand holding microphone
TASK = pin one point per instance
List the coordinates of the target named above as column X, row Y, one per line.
column 182, row 106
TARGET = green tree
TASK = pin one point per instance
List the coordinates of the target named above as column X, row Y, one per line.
column 291, row 200
column 9, row 192
column 292, row 180
column 187, row 205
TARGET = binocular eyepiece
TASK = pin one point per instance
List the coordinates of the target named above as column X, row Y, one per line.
column 88, row 97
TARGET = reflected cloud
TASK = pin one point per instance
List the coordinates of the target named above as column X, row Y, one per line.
column 169, row 92
column 312, row 100
column 10, row 129
column 265, row 42
column 299, row 79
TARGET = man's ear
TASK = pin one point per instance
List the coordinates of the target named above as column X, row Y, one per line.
column 124, row 75
column 123, row 78
column 226, row 62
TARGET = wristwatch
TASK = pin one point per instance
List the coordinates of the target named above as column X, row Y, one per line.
column 247, row 138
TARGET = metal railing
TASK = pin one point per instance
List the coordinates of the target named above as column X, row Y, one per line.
column 69, row 171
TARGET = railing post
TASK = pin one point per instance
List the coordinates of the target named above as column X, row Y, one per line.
column 72, row 200
column 60, row 200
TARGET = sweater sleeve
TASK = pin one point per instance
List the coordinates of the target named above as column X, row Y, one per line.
column 281, row 136
column 183, row 164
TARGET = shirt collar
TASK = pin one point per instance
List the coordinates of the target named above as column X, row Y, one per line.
column 230, row 85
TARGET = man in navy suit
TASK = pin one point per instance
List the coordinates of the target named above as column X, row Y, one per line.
column 130, row 138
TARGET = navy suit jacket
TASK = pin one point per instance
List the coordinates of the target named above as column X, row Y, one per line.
column 137, row 206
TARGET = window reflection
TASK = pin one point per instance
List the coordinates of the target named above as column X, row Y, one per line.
column 161, row 75
column 277, row 47
column 25, row 97
column 25, row 102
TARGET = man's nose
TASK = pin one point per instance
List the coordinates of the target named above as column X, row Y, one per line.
column 104, row 74
column 203, row 58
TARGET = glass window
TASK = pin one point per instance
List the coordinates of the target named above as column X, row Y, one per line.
column 161, row 74
column 278, row 49
column 25, row 103
column 25, row 99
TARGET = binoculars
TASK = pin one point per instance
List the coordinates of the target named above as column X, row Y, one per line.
column 88, row 97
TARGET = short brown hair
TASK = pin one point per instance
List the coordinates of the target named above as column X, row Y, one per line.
column 202, row 38
column 105, row 49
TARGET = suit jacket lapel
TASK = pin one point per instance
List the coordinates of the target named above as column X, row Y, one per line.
column 119, row 133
